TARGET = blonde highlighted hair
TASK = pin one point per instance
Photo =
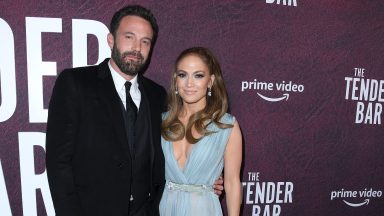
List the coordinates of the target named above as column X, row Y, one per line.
column 216, row 105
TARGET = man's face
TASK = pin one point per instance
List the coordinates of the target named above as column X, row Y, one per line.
column 131, row 44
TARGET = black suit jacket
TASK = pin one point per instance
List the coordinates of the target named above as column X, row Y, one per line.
column 88, row 167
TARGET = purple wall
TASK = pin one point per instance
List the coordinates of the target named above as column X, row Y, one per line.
column 313, row 135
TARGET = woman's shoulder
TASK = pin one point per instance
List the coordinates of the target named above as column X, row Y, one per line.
column 228, row 118
column 164, row 115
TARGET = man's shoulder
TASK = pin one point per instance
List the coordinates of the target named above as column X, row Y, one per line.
column 148, row 83
column 80, row 70
column 154, row 91
column 84, row 71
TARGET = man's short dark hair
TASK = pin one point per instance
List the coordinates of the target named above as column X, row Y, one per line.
column 134, row 10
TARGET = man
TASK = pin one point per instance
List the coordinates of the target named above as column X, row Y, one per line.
column 92, row 168
column 103, row 151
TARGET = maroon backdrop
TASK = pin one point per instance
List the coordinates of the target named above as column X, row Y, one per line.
column 305, row 81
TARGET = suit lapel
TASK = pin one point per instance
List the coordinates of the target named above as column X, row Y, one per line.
column 145, row 95
column 111, row 99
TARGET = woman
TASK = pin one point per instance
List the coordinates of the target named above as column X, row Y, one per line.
column 198, row 138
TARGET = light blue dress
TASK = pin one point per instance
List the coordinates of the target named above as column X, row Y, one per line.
column 189, row 192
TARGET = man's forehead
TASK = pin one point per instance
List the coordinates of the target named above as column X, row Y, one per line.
column 135, row 22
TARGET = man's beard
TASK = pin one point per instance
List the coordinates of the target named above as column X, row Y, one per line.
column 129, row 67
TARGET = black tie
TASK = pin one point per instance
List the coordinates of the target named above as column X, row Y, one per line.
column 131, row 111
column 130, row 105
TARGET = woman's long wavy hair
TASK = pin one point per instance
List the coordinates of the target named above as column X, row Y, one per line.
column 216, row 105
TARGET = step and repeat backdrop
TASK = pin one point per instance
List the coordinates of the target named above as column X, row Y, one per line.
column 305, row 81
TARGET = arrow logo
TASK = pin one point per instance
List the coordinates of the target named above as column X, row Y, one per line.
column 366, row 201
column 285, row 96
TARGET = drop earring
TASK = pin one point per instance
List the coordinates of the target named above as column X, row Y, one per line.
column 176, row 91
column 209, row 92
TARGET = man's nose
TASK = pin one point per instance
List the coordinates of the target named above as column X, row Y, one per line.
column 136, row 45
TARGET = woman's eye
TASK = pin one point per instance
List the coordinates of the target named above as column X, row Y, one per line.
column 181, row 75
column 199, row 76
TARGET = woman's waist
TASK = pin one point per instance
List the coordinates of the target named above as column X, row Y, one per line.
column 173, row 186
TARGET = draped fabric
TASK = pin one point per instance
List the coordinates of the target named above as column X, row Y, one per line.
column 203, row 166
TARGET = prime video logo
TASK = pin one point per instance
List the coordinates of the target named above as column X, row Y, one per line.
column 283, row 2
column 283, row 86
column 363, row 196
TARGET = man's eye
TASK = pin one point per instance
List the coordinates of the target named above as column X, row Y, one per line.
column 146, row 42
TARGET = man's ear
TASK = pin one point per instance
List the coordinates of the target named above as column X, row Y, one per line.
column 110, row 40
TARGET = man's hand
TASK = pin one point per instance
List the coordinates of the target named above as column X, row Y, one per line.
column 218, row 186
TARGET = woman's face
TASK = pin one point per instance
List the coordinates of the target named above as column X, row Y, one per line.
column 193, row 80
